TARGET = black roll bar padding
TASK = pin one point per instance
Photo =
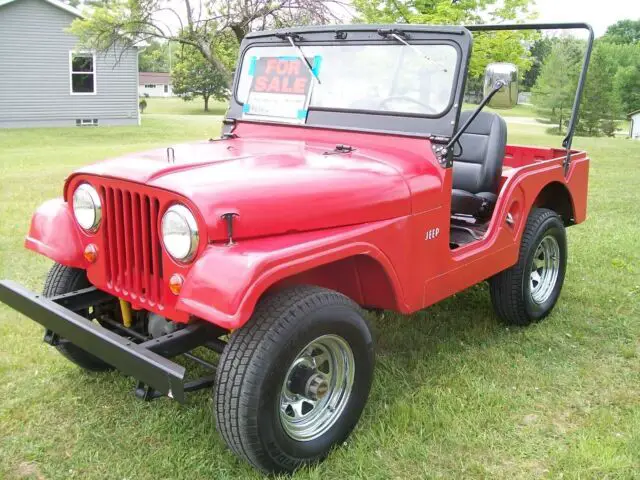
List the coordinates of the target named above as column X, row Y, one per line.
column 568, row 139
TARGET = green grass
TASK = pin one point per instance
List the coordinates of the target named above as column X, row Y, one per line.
column 177, row 106
column 517, row 111
column 456, row 395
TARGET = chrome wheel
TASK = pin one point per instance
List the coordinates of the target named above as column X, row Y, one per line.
column 317, row 387
column 544, row 269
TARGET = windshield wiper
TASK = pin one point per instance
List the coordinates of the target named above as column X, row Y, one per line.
column 301, row 55
column 395, row 34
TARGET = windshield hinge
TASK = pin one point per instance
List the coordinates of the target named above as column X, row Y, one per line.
column 389, row 32
column 288, row 35
column 442, row 155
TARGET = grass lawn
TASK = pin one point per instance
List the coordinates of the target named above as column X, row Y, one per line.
column 177, row 106
column 517, row 111
column 456, row 395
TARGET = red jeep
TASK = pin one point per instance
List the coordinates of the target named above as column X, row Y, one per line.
column 346, row 178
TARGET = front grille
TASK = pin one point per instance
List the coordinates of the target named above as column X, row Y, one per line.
column 134, row 263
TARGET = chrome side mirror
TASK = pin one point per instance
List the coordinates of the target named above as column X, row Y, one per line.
column 507, row 97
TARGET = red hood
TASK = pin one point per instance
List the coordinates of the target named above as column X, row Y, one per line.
column 275, row 185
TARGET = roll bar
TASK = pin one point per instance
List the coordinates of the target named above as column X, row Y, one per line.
column 568, row 139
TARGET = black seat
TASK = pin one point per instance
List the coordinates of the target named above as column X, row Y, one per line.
column 477, row 169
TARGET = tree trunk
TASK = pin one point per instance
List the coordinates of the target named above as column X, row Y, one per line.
column 560, row 124
column 239, row 32
column 206, row 102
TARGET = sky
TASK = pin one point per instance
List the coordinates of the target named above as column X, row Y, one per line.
column 600, row 14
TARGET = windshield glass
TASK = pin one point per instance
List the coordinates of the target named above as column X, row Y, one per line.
column 377, row 78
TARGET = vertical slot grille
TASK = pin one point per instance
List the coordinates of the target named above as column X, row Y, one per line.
column 134, row 262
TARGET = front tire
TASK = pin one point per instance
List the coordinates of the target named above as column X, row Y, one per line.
column 294, row 380
column 61, row 280
column 528, row 291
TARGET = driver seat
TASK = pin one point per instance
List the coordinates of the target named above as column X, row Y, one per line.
column 477, row 170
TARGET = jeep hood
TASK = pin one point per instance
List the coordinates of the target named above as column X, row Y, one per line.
column 275, row 186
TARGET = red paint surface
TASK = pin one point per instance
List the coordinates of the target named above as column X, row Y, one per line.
column 355, row 222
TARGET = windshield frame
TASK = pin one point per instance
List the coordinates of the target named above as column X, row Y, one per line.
column 438, row 125
column 444, row 111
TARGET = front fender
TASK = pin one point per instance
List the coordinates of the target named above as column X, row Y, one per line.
column 54, row 234
column 226, row 282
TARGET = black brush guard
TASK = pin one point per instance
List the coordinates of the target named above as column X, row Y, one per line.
column 147, row 361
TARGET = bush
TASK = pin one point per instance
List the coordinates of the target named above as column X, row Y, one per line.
column 609, row 127
column 142, row 105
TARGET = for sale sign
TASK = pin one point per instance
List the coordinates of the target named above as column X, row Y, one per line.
column 280, row 88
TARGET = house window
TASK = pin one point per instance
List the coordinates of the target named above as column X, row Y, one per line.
column 150, row 86
column 83, row 122
column 83, row 73
column 166, row 89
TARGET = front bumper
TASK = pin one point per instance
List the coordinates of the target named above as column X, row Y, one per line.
column 159, row 373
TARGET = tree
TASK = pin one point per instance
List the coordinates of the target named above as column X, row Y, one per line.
column 123, row 24
column 554, row 90
column 155, row 56
column 627, row 86
column 539, row 52
column 623, row 32
column 600, row 106
column 193, row 76
column 488, row 47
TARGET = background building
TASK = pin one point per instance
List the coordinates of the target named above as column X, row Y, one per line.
column 155, row 84
column 46, row 80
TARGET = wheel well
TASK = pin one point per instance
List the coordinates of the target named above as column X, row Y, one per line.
column 555, row 196
column 360, row 277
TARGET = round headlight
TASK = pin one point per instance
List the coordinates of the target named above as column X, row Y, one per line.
column 87, row 207
column 180, row 233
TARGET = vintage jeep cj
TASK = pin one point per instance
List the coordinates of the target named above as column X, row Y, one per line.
column 346, row 178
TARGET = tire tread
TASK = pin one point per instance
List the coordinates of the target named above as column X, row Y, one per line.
column 506, row 287
column 274, row 318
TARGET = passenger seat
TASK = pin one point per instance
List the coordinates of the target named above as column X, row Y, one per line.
column 477, row 169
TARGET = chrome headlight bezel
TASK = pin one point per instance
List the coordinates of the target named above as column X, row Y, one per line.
column 181, row 216
column 92, row 204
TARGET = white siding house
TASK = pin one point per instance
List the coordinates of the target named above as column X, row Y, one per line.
column 153, row 84
column 634, row 131
column 46, row 80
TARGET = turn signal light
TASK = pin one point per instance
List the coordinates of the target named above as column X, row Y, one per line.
column 91, row 253
column 175, row 283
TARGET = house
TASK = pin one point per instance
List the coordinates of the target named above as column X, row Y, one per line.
column 46, row 80
column 154, row 84
column 634, row 131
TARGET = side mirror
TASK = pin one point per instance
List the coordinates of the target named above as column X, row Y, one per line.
column 507, row 97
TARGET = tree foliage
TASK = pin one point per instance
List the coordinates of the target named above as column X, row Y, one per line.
column 539, row 52
column 555, row 88
column 600, row 107
column 612, row 88
column 624, row 32
column 157, row 56
column 488, row 47
column 124, row 24
column 193, row 76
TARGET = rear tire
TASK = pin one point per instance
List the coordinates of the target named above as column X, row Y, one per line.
column 528, row 291
column 299, row 342
column 62, row 279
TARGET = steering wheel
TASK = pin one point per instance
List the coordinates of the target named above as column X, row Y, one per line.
column 426, row 107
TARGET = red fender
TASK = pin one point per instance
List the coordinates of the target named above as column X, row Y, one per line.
column 225, row 283
column 53, row 233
